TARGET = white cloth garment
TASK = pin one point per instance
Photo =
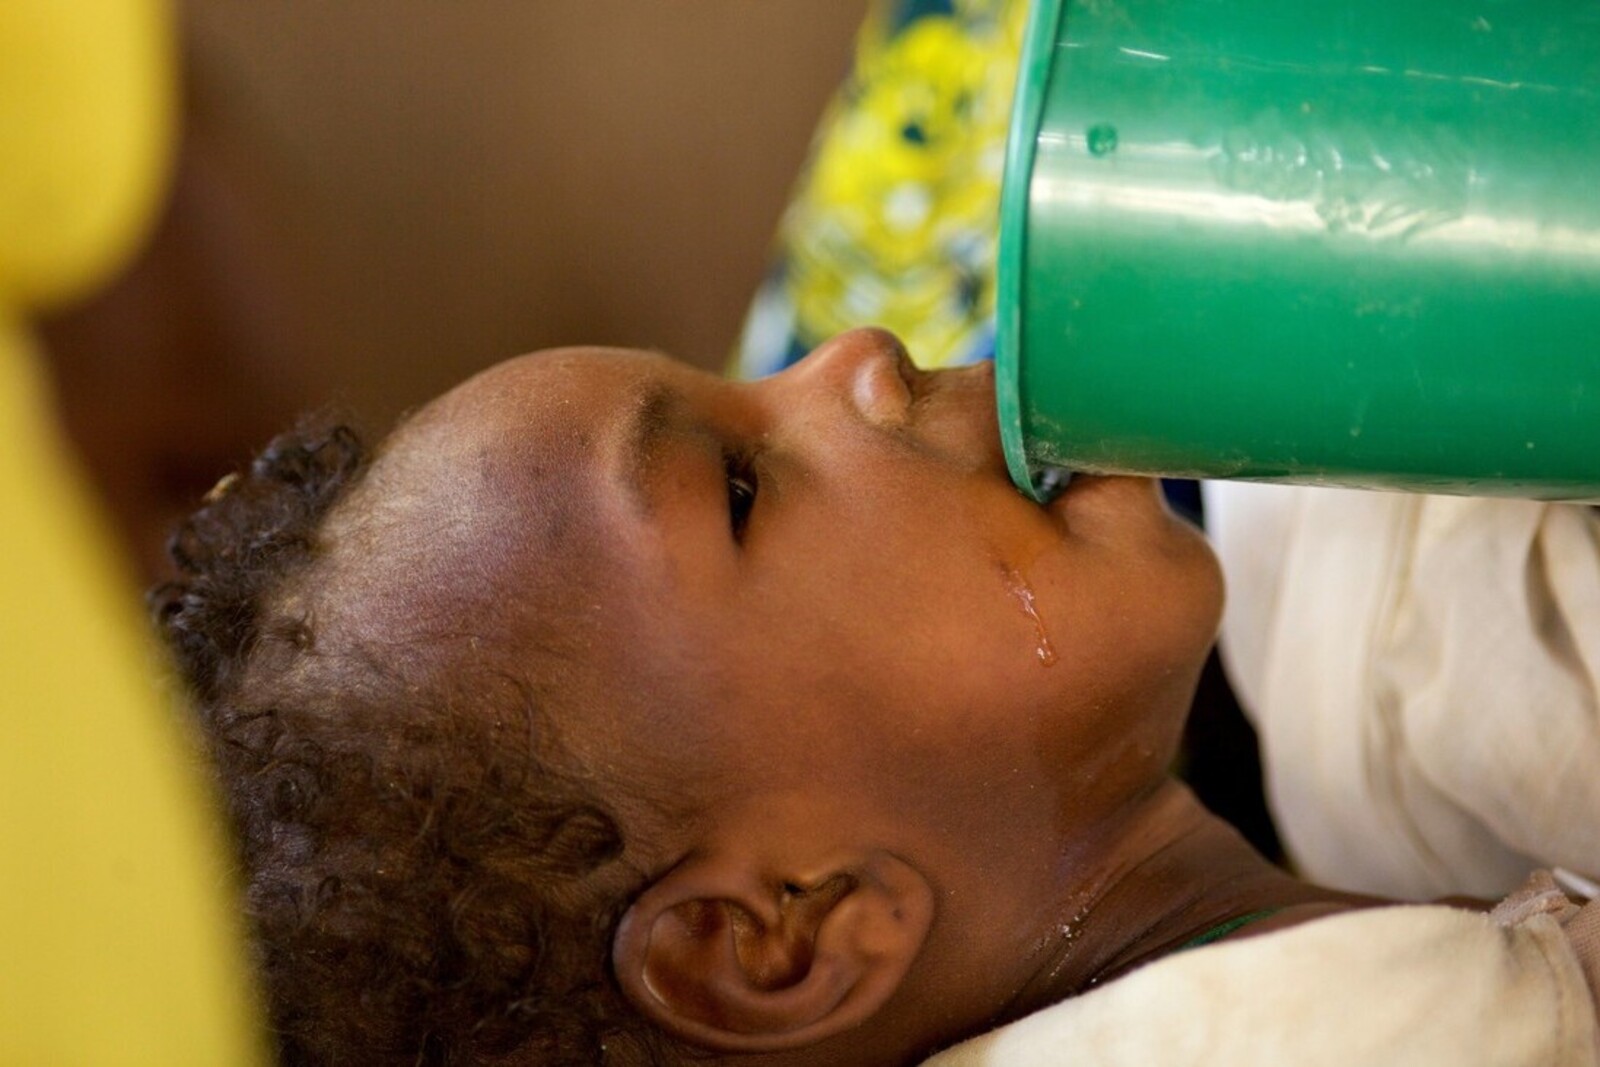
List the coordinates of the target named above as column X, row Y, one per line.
column 1412, row 985
column 1423, row 672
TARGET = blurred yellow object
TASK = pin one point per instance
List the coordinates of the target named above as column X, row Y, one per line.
column 86, row 114
column 120, row 941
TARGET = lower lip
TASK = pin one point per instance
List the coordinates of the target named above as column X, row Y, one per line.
column 1076, row 484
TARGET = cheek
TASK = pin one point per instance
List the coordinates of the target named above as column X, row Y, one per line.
column 1129, row 576
column 934, row 600
column 956, row 597
column 1133, row 630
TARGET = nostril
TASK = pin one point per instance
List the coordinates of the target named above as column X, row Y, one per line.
column 880, row 391
column 870, row 368
column 915, row 377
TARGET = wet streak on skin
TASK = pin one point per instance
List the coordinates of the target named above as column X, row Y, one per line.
column 1023, row 593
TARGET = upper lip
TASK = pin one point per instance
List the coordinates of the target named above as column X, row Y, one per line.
column 955, row 413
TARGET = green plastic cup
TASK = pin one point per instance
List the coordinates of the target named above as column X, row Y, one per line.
column 1352, row 244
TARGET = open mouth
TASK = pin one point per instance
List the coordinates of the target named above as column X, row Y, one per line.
column 1050, row 482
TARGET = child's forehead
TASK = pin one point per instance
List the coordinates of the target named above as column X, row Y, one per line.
column 534, row 415
column 497, row 485
column 573, row 383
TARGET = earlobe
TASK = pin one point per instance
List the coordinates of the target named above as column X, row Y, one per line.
column 734, row 958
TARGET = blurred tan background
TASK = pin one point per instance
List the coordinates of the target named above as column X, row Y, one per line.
column 378, row 197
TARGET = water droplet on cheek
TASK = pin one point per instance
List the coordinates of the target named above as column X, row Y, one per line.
column 1023, row 594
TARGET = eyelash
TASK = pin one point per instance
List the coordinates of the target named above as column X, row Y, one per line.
column 742, row 487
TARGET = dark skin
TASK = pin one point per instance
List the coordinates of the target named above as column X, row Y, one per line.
column 889, row 740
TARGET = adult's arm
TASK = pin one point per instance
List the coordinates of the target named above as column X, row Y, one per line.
column 1424, row 673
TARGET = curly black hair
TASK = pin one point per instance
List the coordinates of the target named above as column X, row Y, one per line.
column 422, row 887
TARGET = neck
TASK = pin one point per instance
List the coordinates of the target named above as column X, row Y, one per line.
column 1168, row 874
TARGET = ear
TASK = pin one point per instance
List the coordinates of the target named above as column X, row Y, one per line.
column 735, row 958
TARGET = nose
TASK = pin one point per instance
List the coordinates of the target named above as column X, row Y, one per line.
column 867, row 368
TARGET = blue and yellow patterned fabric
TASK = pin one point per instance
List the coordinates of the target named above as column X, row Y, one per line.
column 895, row 220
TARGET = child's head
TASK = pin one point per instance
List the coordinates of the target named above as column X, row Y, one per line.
column 614, row 702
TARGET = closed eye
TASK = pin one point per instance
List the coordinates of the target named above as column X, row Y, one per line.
column 742, row 486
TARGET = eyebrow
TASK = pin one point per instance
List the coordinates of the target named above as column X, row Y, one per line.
column 645, row 432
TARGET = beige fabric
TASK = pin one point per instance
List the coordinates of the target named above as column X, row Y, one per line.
column 1411, row 985
column 1579, row 922
column 1423, row 672
column 1583, row 934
